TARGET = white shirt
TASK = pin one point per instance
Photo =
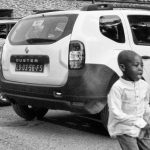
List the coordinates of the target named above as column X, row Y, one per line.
column 128, row 102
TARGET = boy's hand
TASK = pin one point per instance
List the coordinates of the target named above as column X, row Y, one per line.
column 146, row 127
column 145, row 132
column 146, row 117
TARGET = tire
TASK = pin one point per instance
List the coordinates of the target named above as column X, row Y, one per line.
column 24, row 111
column 104, row 116
column 40, row 112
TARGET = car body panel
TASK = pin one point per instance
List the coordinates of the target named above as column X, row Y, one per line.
column 51, row 75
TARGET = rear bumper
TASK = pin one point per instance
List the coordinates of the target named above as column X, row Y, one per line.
column 39, row 96
column 56, row 104
column 83, row 90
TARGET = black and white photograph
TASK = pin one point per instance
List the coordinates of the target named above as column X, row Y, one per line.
column 74, row 74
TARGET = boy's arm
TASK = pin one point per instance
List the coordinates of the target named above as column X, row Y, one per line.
column 147, row 107
column 115, row 106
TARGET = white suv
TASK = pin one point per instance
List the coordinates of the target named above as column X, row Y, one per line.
column 67, row 60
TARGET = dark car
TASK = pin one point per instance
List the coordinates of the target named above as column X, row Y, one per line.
column 5, row 27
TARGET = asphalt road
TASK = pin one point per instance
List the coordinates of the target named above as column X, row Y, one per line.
column 59, row 130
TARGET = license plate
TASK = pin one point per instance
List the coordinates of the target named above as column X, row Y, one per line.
column 29, row 67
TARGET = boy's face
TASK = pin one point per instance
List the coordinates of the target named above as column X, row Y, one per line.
column 133, row 70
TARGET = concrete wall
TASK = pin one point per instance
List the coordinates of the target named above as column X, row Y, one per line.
column 25, row 7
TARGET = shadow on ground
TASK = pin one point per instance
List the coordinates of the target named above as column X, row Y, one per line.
column 85, row 123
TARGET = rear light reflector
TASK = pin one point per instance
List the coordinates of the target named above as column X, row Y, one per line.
column 76, row 55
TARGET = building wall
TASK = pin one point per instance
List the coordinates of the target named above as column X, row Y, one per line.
column 23, row 8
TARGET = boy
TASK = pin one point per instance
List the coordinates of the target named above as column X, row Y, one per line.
column 128, row 103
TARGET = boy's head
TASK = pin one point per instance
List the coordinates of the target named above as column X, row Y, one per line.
column 131, row 65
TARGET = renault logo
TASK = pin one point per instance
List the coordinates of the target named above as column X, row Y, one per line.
column 27, row 50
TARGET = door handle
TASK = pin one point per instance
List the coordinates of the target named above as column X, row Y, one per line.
column 145, row 57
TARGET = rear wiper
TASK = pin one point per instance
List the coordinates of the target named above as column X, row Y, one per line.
column 38, row 40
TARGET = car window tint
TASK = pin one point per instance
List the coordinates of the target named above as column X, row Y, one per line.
column 111, row 27
column 5, row 29
column 42, row 30
column 140, row 27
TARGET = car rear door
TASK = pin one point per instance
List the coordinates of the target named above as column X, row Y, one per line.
column 138, row 26
column 36, row 50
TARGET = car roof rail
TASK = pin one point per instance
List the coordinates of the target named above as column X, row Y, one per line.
column 8, row 18
column 121, row 1
column 93, row 7
column 44, row 11
column 116, row 5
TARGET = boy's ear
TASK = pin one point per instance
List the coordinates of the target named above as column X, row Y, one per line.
column 122, row 67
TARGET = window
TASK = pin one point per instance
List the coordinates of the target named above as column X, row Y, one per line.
column 42, row 30
column 5, row 29
column 111, row 27
column 140, row 27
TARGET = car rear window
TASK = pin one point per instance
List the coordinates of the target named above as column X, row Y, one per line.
column 140, row 27
column 42, row 30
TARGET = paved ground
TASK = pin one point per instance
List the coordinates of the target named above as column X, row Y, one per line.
column 59, row 130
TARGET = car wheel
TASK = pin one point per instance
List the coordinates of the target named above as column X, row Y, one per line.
column 104, row 116
column 24, row 111
column 40, row 112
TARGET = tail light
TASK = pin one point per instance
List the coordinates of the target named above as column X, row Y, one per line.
column 76, row 55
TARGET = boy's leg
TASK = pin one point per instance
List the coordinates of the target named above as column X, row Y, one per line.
column 144, row 144
column 127, row 143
